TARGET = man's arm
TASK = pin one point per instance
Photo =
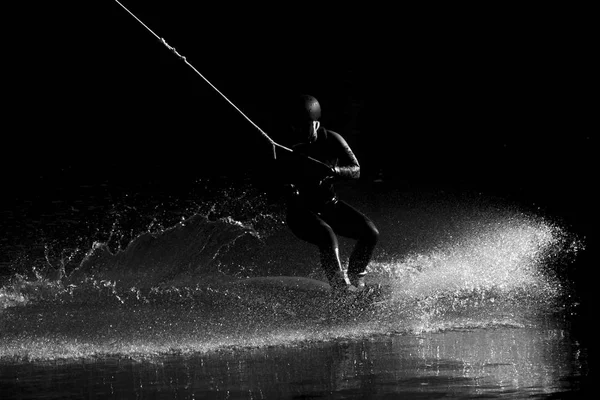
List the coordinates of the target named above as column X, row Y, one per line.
column 348, row 166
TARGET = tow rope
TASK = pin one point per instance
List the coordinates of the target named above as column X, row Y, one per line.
column 182, row 58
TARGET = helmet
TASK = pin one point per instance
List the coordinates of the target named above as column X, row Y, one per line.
column 312, row 107
column 305, row 108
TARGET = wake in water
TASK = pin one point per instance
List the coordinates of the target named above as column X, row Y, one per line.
column 496, row 271
column 171, row 289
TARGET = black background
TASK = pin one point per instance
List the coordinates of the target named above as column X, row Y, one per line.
column 453, row 93
column 493, row 99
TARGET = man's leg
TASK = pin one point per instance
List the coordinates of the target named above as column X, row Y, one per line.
column 331, row 264
column 351, row 223
column 311, row 228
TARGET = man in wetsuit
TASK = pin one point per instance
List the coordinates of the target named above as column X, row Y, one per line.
column 314, row 212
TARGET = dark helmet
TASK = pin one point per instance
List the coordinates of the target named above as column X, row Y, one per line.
column 305, row 108
column 312, row 107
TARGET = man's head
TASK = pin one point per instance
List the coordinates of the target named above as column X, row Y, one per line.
column 304, row 117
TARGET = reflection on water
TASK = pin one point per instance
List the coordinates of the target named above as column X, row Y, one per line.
column 499, row 362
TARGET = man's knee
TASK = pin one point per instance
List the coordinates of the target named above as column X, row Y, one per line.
column 371, row 235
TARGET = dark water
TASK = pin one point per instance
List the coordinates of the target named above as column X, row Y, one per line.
column 477, row 304
column 500, row 362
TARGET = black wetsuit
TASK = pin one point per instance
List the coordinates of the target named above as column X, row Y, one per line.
column 314, row 212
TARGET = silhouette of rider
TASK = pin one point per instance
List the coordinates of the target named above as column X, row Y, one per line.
column 314, row 211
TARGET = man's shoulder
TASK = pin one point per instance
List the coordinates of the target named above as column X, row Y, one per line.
column 332, row 135
column 334, row 138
